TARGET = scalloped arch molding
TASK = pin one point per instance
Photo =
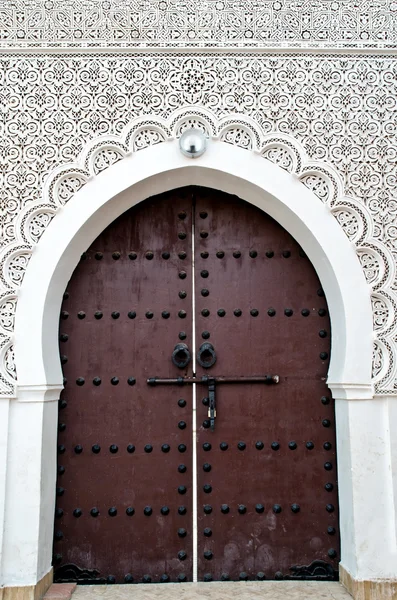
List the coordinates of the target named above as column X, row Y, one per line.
column 283, row 150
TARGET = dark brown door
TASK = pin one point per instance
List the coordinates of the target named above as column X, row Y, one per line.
column 267, row 497
column 124, row 505
column 264, row 502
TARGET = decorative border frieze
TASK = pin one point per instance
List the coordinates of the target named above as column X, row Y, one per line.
column 192, row 24
column 281, row 149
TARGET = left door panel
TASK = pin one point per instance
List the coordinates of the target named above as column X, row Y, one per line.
column 124, row 487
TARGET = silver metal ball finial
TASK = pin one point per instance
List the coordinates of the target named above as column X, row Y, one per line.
column 193, row 143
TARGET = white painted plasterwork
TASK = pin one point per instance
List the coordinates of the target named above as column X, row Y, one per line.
column 212, row 23
column 336, row 116
column 335, row 119
column 267, row 172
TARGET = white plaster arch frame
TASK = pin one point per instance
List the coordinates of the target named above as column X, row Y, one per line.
column 161, row 167
column 280, row 149
column 110, row 178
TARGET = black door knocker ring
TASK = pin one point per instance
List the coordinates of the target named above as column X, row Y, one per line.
column 181, row 356
column 206, row 355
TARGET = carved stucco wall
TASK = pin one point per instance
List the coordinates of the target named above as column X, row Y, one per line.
column 340, row 110
column 252, row 23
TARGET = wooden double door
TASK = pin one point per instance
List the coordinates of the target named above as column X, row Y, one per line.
column 196, row 432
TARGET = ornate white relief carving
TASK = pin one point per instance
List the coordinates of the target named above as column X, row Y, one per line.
column 71, row 116
column 240, row 132
column 379, row 361
column 16, row 267
column 377, row 263
column 104, row 158
column 381, row 312
column 188, row 123
column 13, row 265
column 8, row 306
column 237, row 136
column 384, row 310
column 147, row 137
column 318, row 184
column 282, row 157
column 335, row 105
column 283, row 151
column 7, row 367
column 354, row 220
column 371, row 265
column 201, row 119
column 349, row 222
column 121, row 23
column 69, row 184
column 323, row 182
column 9, row 363
column 38, row 223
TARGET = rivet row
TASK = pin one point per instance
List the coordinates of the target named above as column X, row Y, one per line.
column 149, row 314
column 148, row 448
column 238, row 254
column 80, row 381
column 148, row 510
column 259, row 445
column 149, row 254
column 271, row 312
column 113, row 448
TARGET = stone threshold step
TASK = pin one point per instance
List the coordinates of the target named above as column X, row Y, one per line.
column 239, row 590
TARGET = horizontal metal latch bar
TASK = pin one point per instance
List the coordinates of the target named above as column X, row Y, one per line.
column 266, row 379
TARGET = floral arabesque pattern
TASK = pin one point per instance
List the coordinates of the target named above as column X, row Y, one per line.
column 214, row 23
column 330, row 119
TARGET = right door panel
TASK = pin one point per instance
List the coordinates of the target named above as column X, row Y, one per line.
column 267, row 493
